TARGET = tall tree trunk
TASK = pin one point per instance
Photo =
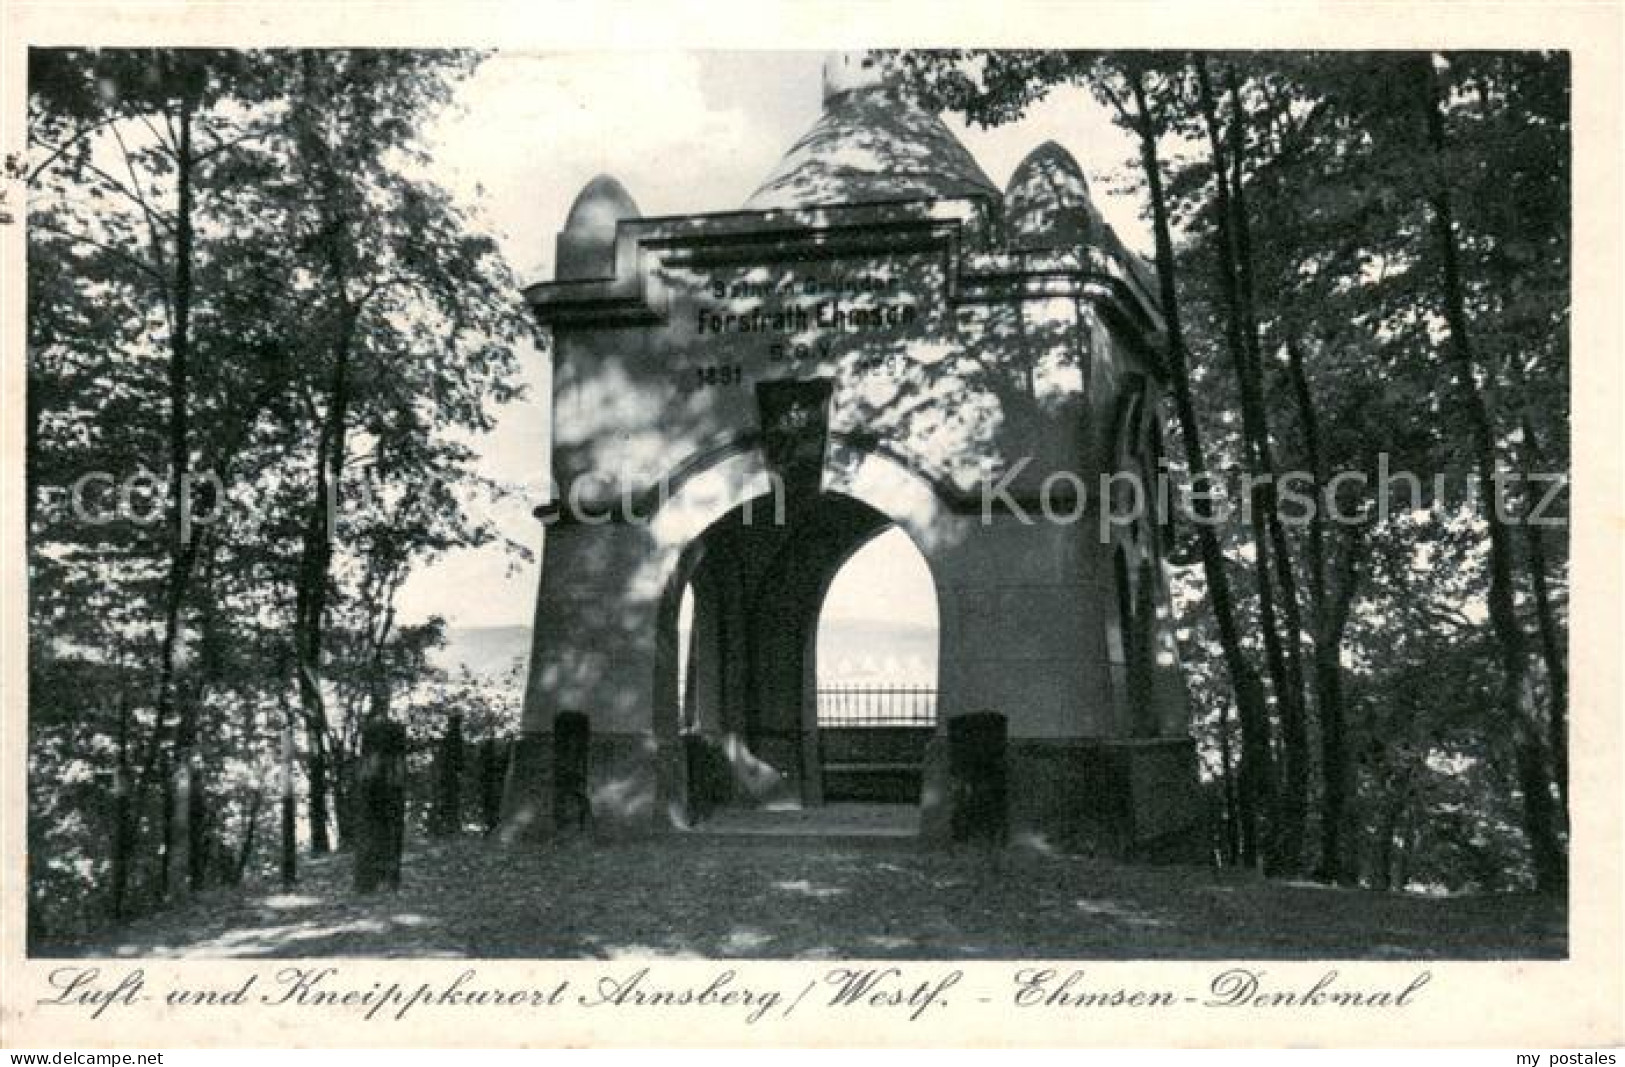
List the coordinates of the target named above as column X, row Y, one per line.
column 1337, row 770
column 122, row 818
column 192, row 791
column 1391, row 825
column 1551, row 647
column 182, row 546
column 192, row 813
column 1551, row 633
column 290, row 813
column 246, row 851
column 310, row 609
column 1329, row 603
column 1547, row 854
column 1294, row 719
column 314, row 575
column 1289, row 818
column 311, row 598
column 1227, row 782
column 1256, row 774
column 316, row 551
column 179, row 834
column 343, row 783
column 320, row 812
column 166, row 833
column 1506, row 274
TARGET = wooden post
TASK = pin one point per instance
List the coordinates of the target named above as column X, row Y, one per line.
column 448, row 793
column 380, row 806
column 492, row 767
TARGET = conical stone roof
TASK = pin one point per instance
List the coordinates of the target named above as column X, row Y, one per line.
column 872, row 143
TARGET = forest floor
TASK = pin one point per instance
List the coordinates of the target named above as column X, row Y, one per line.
column 714, row 896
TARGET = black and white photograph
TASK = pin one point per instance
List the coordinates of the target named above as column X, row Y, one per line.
column 663, row 506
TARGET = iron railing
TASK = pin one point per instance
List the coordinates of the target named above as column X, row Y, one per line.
column 877, row 705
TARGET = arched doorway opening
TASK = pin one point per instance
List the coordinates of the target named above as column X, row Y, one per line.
column 746, row 630
column 877, row 672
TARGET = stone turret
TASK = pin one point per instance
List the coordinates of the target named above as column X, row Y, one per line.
column 1047, row 205
column 586, row 246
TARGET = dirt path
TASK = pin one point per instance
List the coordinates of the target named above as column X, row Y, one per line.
column 777, row 898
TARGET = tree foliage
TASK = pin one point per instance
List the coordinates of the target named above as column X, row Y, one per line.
column 1364, row 260
column 260, row 341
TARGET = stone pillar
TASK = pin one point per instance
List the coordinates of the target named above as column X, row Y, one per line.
column 527, row 804
column 936, row 792
column 979, row 807
column 572, row 738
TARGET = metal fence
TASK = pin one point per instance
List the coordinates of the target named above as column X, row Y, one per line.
column 872, row 705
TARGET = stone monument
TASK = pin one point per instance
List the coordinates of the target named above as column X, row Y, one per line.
column 880, row 337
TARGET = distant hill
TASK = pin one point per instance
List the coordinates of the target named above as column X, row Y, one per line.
column 850, row 652
column 861, row 652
